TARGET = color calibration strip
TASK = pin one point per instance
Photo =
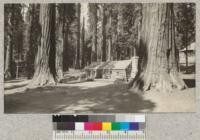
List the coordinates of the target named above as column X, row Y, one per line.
column 99, row 127
column 99, row 123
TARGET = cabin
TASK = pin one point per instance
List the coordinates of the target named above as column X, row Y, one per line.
column 112, row 70
column 191, row 55
column 94, row 70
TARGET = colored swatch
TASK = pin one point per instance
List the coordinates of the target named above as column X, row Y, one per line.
column 97, row 126
column 102, row 126
column 116, row 126
column 134, row 126
column 88, row 126
column 98, row 123
column 106, row 126
column 124, row 126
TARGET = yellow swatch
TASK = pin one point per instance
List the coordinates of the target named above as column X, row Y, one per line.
column 106, row 126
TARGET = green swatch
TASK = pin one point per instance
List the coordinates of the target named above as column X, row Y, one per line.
column 115, row 126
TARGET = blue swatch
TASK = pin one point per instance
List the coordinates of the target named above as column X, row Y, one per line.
column 124, row 126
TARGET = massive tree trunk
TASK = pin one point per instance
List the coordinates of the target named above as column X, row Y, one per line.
column 7, row 45
column 7, row 66
column 59, row 40
column 77, row 58
column 103, row 47
column 9, row 37
column 158, row 62
column 45, row 71
column 94, row 37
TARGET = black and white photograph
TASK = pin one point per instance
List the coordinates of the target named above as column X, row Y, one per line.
column 82, row 58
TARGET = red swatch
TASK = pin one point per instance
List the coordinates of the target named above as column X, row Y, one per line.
column 97, row 126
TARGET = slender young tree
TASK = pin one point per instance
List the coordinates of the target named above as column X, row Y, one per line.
column 45, row 71
column 110, row 38
column 103, row 47
column 77, row 58
column 83, row 44
column 69, row 19
column 158, row 63
column 66, row 45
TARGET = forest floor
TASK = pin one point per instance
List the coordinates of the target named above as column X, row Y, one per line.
column 99, row 96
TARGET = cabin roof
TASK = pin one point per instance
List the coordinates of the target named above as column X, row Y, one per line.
column 122, row 64
column 191, row 47
column 114, row 65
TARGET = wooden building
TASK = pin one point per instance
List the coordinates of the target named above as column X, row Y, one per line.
column 190, row 54
column 112, row 70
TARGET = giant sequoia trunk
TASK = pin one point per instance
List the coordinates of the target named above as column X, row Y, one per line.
column 77, row 58
column 7, row 62
column 45, row 72
column 158, row 59
column 7, row 54
column 59, row 40
column 9, row 37
column 94, row 37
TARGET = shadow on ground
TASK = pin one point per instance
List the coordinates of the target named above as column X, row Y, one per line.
column 65, row 99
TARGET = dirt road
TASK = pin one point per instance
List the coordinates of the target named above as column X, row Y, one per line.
column 93, row 97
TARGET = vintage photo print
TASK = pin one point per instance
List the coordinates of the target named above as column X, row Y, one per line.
column 99, row 57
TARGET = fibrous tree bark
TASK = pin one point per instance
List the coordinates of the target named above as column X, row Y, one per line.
column 60, row 10
column 94, row 18
column 45, row 71
column 7, row 73
column 7, row 54
column 119, row 31
column 77, row 58
column 158, row 59
column 8, row 63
